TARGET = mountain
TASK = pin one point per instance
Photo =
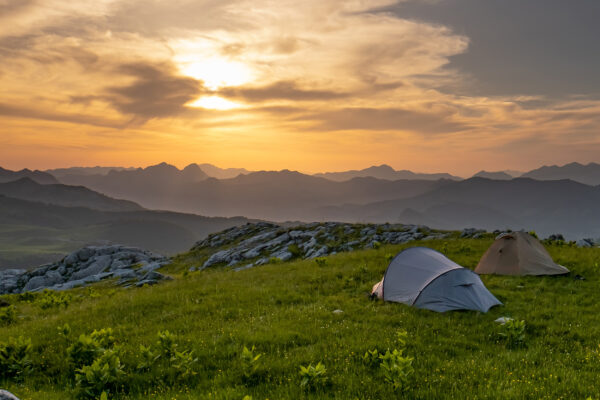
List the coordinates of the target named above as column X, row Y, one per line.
column 154, row 185
column 274, row 195
column 222, row 173
column 547, row 207
column 63, row 195
column 37, row 176
column 383, row 172
column 498, row 175
column 33, row 233
column 588, row 174
column 61, row 172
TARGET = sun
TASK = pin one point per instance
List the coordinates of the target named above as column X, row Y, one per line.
column 217, row 72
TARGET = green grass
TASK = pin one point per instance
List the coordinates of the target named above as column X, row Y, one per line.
column 285, row 310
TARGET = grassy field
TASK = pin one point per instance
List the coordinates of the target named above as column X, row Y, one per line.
column 285, row 310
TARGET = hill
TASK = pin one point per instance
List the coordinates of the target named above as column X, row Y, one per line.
column 545, row 206
column 63, row 195
column 383, row 172
column 304, row 312
column 588, row 174
column 33, row 233
column 37, row 176
column 61, row 172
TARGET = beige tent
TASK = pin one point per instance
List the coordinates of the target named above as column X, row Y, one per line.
column 518, row 253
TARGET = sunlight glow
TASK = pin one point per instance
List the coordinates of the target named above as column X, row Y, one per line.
column 217, row 72
column 214, row 103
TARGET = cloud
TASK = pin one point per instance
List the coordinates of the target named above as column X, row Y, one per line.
column 397, row 119
column 284, row 90
column 156, row 92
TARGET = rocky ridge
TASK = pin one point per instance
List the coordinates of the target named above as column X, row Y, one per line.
column 132, row 266
column 256, row 244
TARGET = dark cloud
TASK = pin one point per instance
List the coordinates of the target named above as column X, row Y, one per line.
column 156, row 92
column 388, row 119
column 284, row 90
column 10, row 7
column 17, row 111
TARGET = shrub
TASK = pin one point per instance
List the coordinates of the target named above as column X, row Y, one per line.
column 513, row 333
column 15, row 358
column 295, row 250
column 532, row 233
column 376, row 244
column 51, row 299
column 105, row 373
column 397, row 369
column 174, row 365
column 8, row 315
column 313, row 377
column 87, row 348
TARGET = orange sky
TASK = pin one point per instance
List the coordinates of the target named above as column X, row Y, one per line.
column 316, row 85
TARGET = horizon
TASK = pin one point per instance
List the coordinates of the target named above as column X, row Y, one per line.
column 181, row 167
column 425, row 86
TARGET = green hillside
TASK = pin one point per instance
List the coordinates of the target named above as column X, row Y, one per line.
column 285, row 311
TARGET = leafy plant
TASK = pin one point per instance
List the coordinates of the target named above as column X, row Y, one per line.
column 376, row 244
column 513, row 333
column 8, row 315
column 175, row 365
column 295, row 250
column 371, row 358
column 51, row 299
column 87, row 348
column 15, row 358
column 250, row 364
column 313, row 377
column 105, row 373
column 397, row 369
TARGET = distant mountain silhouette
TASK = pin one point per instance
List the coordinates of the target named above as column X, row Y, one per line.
column 63, row 195
column 383, row 172
column 222, row 173
column 37, row 176
column 588, row 174
column 276, row 195
column 563, row 206
column 155, row 185
column 498, row 175
column 60, row 172
column 32, row 233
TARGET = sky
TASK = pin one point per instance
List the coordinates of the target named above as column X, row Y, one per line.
column 313, row 85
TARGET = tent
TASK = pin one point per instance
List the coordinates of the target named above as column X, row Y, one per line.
column 518, row 253
column 425, row 278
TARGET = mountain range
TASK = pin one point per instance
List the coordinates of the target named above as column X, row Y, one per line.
column 588, row 174
column 37, row 176
column 383, row 172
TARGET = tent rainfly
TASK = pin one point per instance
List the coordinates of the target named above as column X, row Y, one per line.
column 518, row 253
column 425, row 278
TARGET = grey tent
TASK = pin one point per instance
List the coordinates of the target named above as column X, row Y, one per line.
column 425, row 278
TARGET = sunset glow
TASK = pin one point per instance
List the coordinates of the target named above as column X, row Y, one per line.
column 314, row 85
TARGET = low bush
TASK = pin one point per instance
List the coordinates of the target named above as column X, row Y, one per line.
column 15, row 358
column 8, row 315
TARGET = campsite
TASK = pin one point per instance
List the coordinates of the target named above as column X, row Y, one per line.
column 304, row 312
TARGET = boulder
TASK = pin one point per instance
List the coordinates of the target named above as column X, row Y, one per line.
column 99, row 264
column 5, row 395
column 39, row 282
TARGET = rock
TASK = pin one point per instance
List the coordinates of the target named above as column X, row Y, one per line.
column 338, row 311
column 146, row 282
column 151, row 266
column 503, row 320
column 587, row 242
column 283, row 255
column 99, row 264
column 4, row 395
column 218, row 257
column 50, row 279
column 247, row 266
column 124, row 273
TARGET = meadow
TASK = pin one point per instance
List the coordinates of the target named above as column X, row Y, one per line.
column 283, row 314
